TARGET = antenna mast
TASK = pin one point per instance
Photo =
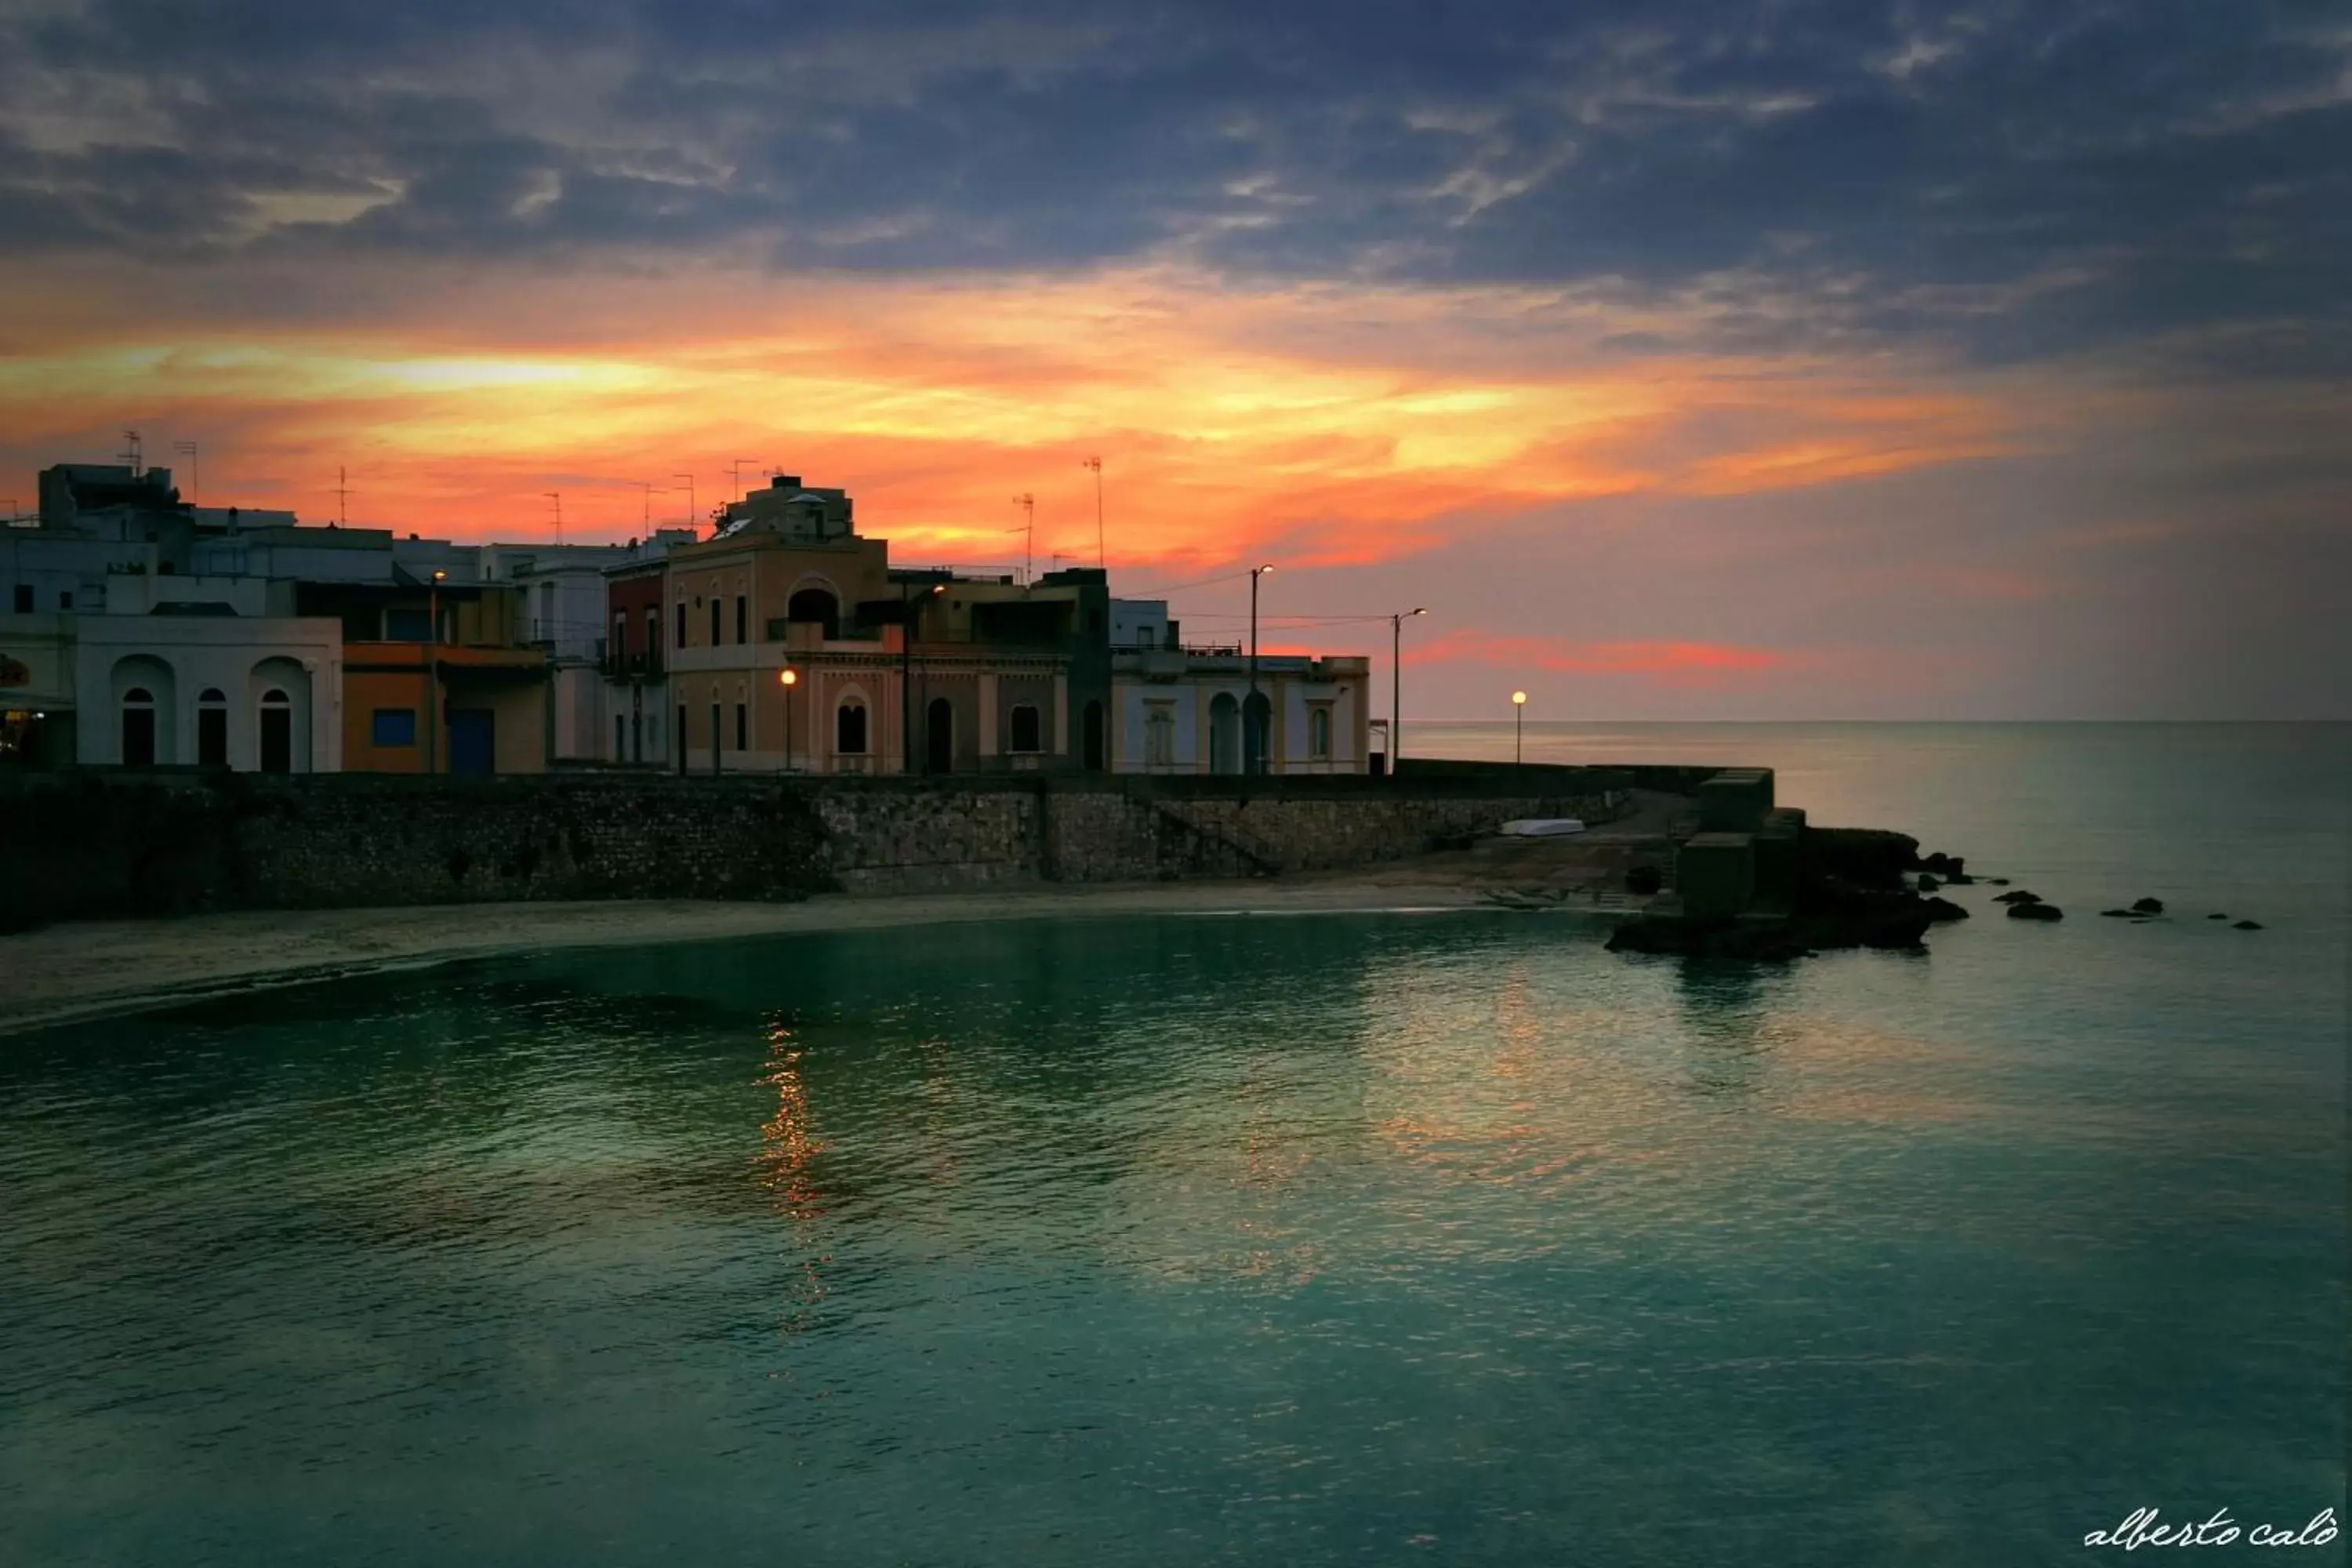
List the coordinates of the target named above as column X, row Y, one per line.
column 343, row 495
column 130, row 454
column 1028, row 505
column 557, row 496
column 195, row 474
column 1096, row 464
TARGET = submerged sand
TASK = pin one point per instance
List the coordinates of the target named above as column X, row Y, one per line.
column 94, row 968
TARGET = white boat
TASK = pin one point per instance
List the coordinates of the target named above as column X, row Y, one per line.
column 1540, row 827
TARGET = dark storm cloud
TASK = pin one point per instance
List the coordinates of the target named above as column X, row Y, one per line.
column 2020, row 178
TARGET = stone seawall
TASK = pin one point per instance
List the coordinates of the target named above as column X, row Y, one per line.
column 99, row 843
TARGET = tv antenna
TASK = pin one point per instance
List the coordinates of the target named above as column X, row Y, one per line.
column 342, row 496
column 1028, row 505
column 557, row 496
column 1096, row 464
column 689, row 497
column 130, row 454
column 195, row 474
column 735, row 476
column 647, row 486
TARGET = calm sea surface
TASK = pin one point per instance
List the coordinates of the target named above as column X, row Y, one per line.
column 1444, row 1238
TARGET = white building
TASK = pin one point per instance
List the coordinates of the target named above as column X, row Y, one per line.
column 1179, row 710
column 221, row 689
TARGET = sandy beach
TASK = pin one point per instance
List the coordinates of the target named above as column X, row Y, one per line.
column 95, row 968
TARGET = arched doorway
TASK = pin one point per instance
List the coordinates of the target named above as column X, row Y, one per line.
column 1091, row 733
column 1257, row 728
column 211, row 728
column 1225, row 734
column 277, row 732
column 850, row 728
column 138, row 728
column 938, row 735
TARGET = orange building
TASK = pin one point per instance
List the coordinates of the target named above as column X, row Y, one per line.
column 419, row 707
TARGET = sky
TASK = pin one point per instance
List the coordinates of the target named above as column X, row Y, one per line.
column 1687, row 361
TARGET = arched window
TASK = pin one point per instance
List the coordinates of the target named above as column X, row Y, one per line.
column 850, row 728
column 815, row 605
column 211, row 728
column 138, row 728
column 1318, row 732
column 1028, row 734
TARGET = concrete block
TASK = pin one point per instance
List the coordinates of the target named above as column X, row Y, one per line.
column 1735, row 800
column 1715, row 873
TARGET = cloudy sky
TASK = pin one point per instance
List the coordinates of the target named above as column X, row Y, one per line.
column 1687, row 359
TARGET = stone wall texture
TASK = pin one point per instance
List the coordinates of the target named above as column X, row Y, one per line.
column 100, row 843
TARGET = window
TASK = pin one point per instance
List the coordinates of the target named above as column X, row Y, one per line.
column 714, row 620
column 65, row 598
column 392, row 727
column 653, row 633
column 1026, row 735
column 138, row 728
column 1159, row 735
column 742, row 726
column 849, row 729
column 742, row 618
column 681, row 623
column 681, row 730
column 1319, row 732
column 620, row 650
column 24, row 598
column 620, row 739
column 408, row 625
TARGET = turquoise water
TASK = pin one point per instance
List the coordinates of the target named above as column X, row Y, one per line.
column 1288, row 1240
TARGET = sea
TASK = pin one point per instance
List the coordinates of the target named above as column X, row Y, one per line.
column 1301, row 1239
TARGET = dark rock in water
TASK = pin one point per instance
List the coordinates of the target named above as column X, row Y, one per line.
column 2217, row 917
column 2019, row 897
column 1865, row 856
column 1943, row 865
column 1958, row 879
column 1941, row 910
column 2147, row 906
column 2037, row 911
column 2125, row 914
column 1998, row 881
column 1644, row 880
column 2247, row 925
column 1929, row 884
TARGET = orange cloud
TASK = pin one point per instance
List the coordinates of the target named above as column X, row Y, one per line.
column 1341, row 425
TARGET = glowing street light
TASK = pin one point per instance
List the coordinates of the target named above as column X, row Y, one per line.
column 1396, row 683
column 1519, row 739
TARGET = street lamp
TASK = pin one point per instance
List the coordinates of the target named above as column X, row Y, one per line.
column 1519, row 737
column 906, row 672
column 788, row 678
column 1254, row 742
column 433, row 673
column 1396, row 684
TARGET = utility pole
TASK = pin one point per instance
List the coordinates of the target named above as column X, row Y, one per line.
column 195, row 474
column 1396, row 685
column 1252, row 742
column 1096, row 464
column 1028, row 505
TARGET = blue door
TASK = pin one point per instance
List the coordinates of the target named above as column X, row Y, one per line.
column 473, row 741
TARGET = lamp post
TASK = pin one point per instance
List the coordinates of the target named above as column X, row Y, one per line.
column 1519, row 735
column 907, row 673
column 432, row 674
column 790, row 678
column 1396, row 685
column 1253, row 743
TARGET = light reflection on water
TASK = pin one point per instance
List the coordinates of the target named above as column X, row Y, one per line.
column 1180, row 1239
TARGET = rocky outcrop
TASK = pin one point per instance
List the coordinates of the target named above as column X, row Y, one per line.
column 2147, row 906
column 2036, row 910
column 2247, row 925
column 2019, row 897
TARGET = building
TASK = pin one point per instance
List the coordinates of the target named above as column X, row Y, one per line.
column 1180, row 710
column 795, row 644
